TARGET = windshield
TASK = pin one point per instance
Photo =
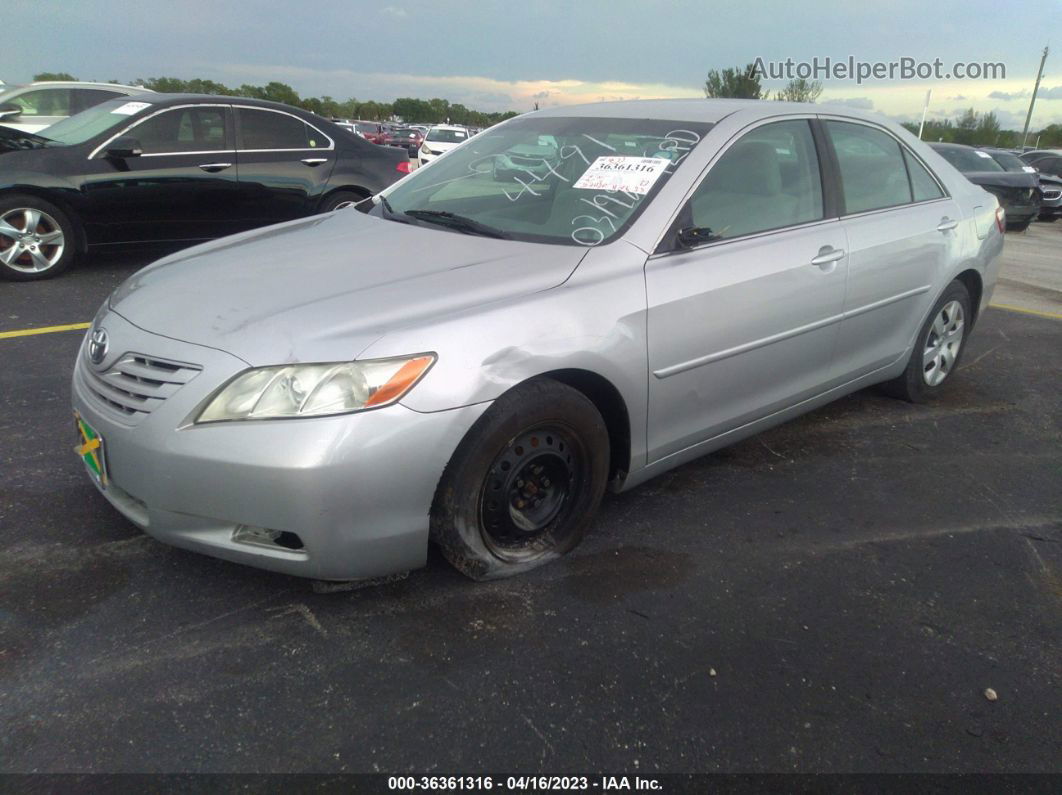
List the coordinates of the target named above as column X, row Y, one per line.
column 89, row 123
column 969, row 160
column 570, row 181
column 435, row 135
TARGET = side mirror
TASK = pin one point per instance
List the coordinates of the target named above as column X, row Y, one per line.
column 123, row 147
column 692, row 236
column 10, row 110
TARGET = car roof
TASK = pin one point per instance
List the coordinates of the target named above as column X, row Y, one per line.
column 456, row 127
column 83, row 84
column 698, row 110
column 948, row 145
column 176, row 99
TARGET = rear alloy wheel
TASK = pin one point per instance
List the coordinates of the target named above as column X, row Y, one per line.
column 340, row 200
column 938, row 347
column 36, row 239
column 524, row 484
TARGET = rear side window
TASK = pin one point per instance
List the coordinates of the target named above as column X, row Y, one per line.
column 923, row 186
column 769, row 179
column 264, row 129
column 873, row 174
column 183, row 130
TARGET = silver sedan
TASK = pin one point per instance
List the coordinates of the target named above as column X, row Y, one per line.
column 474, row 360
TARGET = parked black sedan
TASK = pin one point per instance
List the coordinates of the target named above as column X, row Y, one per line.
column 173, row 168
column 1018, row 192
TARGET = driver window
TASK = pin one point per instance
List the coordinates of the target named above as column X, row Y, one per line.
column 768, row 180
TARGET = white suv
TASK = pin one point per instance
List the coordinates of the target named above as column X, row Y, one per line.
column 33, row 107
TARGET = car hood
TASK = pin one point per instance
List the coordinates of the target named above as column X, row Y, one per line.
column 1009, row 179
column 326, row 287
column 12, row 140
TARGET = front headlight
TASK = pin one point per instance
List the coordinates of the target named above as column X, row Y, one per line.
column 424, row 150
column 315, row 390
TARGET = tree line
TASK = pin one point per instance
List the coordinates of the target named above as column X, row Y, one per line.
column 431, row 111
column 973, row 128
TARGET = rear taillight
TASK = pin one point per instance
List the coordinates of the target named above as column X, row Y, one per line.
column 403, row 166
column 1001, row 219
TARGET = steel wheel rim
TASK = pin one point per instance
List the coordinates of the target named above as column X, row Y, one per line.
column 942, row 344
column 529, row 487
column 31, row 240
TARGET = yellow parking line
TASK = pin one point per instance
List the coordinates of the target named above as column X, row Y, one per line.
column 1038, row 313
column 27, row 332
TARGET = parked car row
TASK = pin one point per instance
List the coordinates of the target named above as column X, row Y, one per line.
column 173, row 168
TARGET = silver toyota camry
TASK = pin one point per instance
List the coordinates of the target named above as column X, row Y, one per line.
column 473, row 356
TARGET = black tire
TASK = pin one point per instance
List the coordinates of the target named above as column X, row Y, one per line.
column 21, row 257
column 913, row 384
column 341, row 198
column 524, row 484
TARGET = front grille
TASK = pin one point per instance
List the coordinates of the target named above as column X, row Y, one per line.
column 137, row 384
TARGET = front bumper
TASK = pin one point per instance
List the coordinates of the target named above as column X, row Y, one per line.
column 356, row 489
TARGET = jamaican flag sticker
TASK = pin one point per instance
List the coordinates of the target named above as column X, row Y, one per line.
column 90, row 448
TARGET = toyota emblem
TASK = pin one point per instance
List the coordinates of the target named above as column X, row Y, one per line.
column 97, row 347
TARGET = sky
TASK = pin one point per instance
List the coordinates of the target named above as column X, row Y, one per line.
column 507, row 55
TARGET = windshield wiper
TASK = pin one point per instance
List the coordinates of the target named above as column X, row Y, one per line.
column 458, row 223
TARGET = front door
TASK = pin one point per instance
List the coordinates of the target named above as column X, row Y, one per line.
column 182, row 187
column 744, row 322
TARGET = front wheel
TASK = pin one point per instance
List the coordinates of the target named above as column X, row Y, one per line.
column 524, row 484
column 937, row 349
column 36, row 238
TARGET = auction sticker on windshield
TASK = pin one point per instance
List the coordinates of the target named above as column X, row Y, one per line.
column 630, row 174
column 129, row 108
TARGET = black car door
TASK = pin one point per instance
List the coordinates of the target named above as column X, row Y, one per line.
column 182, row 187
column 284, row 165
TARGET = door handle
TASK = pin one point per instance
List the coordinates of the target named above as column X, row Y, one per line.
column 946, row 224
column 314, row 161
column 826, row 257
column 213, row 168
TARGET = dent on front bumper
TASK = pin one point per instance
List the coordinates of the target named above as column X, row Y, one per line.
column 356, row 488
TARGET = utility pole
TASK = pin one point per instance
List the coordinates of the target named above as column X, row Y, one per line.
column 925, row 108
column 1028, row 118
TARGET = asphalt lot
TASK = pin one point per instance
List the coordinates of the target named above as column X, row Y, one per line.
column 833, row 595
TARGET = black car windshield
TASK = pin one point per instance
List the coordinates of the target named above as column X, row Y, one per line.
column 576, row 181
column 1009, row 162
column 89, row 123
column 968, row 160
column 446, row 136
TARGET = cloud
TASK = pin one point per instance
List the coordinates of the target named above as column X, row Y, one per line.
column 1006, row 96
column 480, row 93
column 1055, row 92
column 958, row 98
column 862, row 103
column 394, row 11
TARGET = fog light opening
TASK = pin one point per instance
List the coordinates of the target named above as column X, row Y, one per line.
column 264, row 537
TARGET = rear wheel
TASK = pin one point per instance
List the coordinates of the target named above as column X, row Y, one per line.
column 524, row 484
column 937, row 349
column 340, row 200
column 36, row 238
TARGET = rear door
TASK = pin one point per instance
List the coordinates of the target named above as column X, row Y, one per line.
column 744, row 324
column 902, row 231
column 183, row 186
column 284, row 164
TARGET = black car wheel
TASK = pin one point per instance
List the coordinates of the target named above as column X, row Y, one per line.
column 341, row 199
column 524, row 484
column 36, row 238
